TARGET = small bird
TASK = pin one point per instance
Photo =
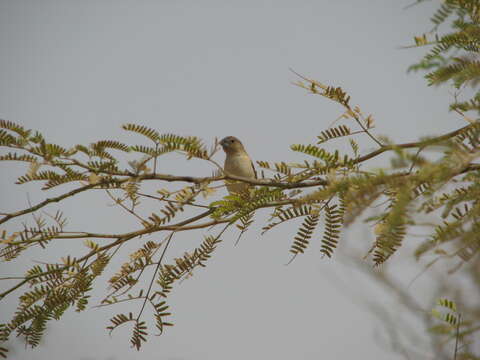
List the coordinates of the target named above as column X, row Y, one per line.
column 237, row 163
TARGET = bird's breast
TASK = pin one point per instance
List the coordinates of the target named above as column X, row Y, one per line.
column 239, row 165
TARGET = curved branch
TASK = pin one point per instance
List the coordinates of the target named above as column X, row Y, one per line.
column 180, row 226
column 46, row 202
column 258, row 182
column 423, row 143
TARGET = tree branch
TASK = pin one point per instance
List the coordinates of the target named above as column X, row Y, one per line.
column 48, row 201
column 176, row 227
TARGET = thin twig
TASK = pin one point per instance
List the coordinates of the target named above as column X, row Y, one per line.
column 155, row 158
column 55, row 199
column 415, row 159
column 172, row 201
column 130, row 211
column 155, row 273
column 457, row 336
column 178, row 227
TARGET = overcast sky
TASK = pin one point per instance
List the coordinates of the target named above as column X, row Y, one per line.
column 78, row 70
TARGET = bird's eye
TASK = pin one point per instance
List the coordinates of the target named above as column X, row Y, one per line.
column 232, row 141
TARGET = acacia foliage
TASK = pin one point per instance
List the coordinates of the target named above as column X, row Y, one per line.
column 453, row 46
column 326, row 192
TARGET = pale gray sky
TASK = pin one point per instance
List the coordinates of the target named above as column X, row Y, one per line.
column 78, row 70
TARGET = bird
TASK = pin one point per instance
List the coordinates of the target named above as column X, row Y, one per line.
column 237, row 162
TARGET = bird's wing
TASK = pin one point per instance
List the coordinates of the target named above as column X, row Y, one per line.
column 254, row 171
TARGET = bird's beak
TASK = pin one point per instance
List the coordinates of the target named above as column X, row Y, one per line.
column 223, row 142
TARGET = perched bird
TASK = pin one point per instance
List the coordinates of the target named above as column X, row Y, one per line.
column 237, row 163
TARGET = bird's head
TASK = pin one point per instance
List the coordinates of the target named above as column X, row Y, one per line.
column 231, row 144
